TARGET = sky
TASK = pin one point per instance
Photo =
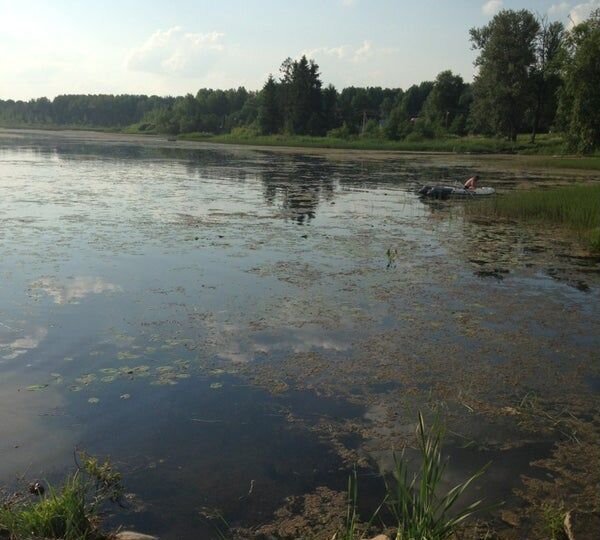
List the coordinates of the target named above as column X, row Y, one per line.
column 173, row 48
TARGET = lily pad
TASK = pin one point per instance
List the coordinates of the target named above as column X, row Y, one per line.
column 124, row 355
column 86, row 379
column 35, row 387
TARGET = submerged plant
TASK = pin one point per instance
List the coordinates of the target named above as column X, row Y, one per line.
column 69, row 512
column 553, row 516
column 419, row 508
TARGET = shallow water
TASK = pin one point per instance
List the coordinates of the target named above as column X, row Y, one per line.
column 216, row 318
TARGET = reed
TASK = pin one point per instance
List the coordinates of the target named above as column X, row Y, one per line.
column 420, row 507
column 576, row 208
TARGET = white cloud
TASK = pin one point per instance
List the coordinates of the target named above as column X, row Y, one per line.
column 348, row 53
column 581, row 12
column 558, row 9
column 174, row 51
column 363, row 52
column 341, row 52
column 491, row 7
column 348, row 3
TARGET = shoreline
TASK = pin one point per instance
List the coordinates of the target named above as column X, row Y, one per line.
column 577, row 164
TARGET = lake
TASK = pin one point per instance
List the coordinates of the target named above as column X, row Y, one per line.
column 237, row 326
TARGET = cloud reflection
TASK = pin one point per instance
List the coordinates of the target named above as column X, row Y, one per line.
column 23, row 344
column 75, row 289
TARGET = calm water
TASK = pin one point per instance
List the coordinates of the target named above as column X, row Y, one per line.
column 199, row 315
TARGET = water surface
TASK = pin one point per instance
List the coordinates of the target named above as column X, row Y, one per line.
column 235, row 326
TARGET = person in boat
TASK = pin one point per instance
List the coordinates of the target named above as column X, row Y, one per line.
column 471, row 183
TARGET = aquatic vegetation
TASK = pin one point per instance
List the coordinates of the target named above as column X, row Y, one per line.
column 87, row 379
column 34, row 387
column 574, row 207
column 417, row 504
column 351, row 523
column 554, row 519
column 69, row 512
column 418, row 507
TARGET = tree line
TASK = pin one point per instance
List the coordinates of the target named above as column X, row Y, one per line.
column 532, row 76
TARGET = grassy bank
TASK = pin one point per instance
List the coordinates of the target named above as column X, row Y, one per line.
column 546, row 153
column 477, row 145
column 68, row 512
column 63, row 127
column 576, row 208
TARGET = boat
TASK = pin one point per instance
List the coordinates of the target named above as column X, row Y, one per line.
column 454, row 192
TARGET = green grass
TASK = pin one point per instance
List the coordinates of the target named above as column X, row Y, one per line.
column 419, row 507
column 546, row 144
column 576, row 208
column 69, row 512
column 60, row 513
column 553, row 516
column 474, row 144
column 548, row 152
column 585, row 163
column 61, row 127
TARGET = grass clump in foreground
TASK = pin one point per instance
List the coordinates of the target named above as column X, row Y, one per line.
column 576, row 208
column 69, row 512
column 420, row 508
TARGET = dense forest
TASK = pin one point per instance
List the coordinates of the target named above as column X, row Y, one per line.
column 533, row 76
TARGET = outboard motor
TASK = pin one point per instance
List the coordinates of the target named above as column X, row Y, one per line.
column 436, row 192
column 439, row 192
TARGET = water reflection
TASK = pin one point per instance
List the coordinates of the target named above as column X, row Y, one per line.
column 74, row 289
column 208, row 308
column 298, row 185
column 24, row 344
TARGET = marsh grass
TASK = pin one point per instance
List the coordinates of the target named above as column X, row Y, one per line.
column 576, row 208
column 553, row 517
column 69, row 512
column 418, row 504
column 421, row 508
column 61, row 513
column 471, row 144
column 351, row 523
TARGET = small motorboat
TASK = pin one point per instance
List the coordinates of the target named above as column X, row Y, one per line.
column 454, row 192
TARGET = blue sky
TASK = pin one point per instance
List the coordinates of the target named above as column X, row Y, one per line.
column 132, row 46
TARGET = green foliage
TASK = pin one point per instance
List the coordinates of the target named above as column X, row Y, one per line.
column 447, row 106
column 502, row 87
column 68, row 512
column 342, row 132
column 580, row 100
column 372, row 130
column 269, row 116
column 419, row 507
column 301, row 97
column 545, row 76
column 405, row 115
